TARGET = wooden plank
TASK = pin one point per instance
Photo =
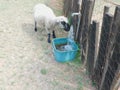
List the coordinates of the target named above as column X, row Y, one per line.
column 70, row 7
column 76, row 9
column 116, row 82
column 85, row 27
column 67, row 8
column 91, row 46
column 100, row 62
column 115, row 30
column 83, row 8
column 113, row 65
column 82, row 21
column 106, row 10
column 106, row 25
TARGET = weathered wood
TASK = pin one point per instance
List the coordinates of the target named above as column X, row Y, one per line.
column 91, row 46
column 113, row 65
column 113, row 49
column 72, row 6
column 75, row 6
column 106, row 10
column 67, row 8
column 84, row 26
column 76, row 9
column 82, row 21
column 100, row 62
column 116, row 82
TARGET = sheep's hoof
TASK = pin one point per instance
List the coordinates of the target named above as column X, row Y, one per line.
column 35, row 29
column 54, row 36
column 49, row 41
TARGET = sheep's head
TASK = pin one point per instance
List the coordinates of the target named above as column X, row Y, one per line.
column 63, row 23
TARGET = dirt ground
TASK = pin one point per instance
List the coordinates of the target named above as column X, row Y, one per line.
column 26, row 59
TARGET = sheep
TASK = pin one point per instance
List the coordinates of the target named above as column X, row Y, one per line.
column 43, row 15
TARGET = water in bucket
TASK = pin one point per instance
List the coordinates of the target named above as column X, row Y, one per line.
column 67, row 46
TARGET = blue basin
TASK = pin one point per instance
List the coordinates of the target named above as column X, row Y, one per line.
column 64, row 55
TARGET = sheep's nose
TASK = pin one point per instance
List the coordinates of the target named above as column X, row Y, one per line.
column 67, row 27
column 67, row 30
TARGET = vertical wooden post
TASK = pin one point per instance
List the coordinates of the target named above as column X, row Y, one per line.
column 116, row 82
column 82, row 19
column 71, row 6
column 106, row 10
column 67, row 8
column 111, row 52
column 91, row 46
column 100, row 62
column 75, row 18
column 86, row 10
column 84, row 27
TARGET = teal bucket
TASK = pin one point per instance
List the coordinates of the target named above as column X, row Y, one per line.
column 64, row 55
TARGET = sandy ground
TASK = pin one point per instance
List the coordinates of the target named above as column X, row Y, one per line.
column 26, row 59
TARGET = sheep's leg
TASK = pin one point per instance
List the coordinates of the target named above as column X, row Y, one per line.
column 49, row 41
column 53, row 34
column 35, row 26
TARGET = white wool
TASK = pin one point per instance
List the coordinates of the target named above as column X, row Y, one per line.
column 44, row 15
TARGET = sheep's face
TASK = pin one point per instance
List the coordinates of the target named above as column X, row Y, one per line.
column 63, row 23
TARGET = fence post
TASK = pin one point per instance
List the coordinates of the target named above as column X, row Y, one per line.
column 67, row 8
column 72, row 6
column 113, row 52
column 76, row 9
column 82, row 19
column 100, row 61
column 84, row 7
column 116, row 81
column 84, row 27
column 91, row 46
column 106, row 10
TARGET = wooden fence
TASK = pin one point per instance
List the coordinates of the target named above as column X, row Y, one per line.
column 71, row 6
column 104, row 70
